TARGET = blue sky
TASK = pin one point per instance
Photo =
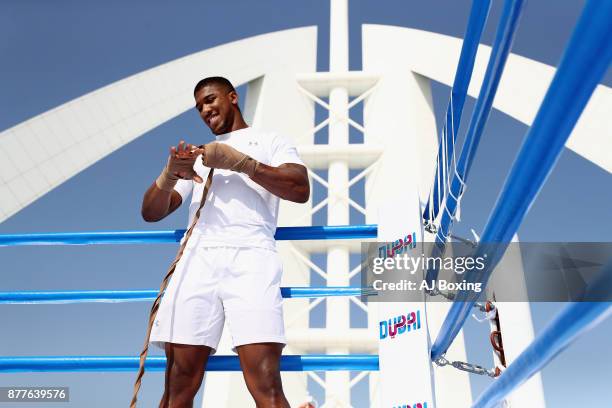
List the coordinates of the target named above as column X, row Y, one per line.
column 53, row 52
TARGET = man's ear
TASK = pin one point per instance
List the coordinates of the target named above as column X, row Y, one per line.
column 233, row 98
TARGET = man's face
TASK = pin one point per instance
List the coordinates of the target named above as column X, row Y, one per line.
column 216, row 107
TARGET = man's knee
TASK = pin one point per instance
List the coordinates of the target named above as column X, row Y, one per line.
column 182, row 384
column 268, row 382
column 260, row 364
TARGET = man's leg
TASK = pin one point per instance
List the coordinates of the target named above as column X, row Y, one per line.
column 261, row 368
column 184, row 374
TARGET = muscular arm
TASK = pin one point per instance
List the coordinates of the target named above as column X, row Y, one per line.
column 288, row 181
column 161, row 200
column 157, row 204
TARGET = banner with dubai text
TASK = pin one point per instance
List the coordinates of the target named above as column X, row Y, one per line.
column 405, row 368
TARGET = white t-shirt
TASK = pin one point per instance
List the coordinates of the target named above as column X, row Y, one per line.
column 238, row 212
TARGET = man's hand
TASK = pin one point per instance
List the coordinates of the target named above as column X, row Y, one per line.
column 222, row 156
column 179, row 166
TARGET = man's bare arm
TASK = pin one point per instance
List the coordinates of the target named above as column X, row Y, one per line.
column 161, row 199
column 288, row 181
column 158, row 204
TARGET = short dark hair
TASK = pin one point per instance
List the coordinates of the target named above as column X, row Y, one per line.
column 215, row 80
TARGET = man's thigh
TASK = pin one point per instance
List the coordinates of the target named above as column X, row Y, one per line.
column 186, row 359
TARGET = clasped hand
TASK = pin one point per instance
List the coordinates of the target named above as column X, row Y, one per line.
column 214, row 155
column 181, row 161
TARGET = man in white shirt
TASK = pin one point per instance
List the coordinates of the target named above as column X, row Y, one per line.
column 230, row 269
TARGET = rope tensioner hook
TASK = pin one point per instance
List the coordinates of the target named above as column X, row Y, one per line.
column 468, row 367
column 496, row 334
column 495, row 337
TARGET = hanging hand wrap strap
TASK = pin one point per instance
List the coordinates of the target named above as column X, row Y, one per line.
column 164, row 284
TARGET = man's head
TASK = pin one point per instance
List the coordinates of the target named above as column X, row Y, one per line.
column 217, row 102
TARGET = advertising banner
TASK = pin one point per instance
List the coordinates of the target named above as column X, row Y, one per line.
column 405, row 367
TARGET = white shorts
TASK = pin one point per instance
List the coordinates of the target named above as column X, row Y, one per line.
column 211, row 284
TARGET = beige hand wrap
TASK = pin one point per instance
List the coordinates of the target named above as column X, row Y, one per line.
column 168, row 178
column 221, row 156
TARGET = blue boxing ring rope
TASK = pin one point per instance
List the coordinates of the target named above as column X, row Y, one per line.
column 116, row 296
column 171, row 236
column 465, row 67
column 500, row 51
column 504, row 38
column 313, row 362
